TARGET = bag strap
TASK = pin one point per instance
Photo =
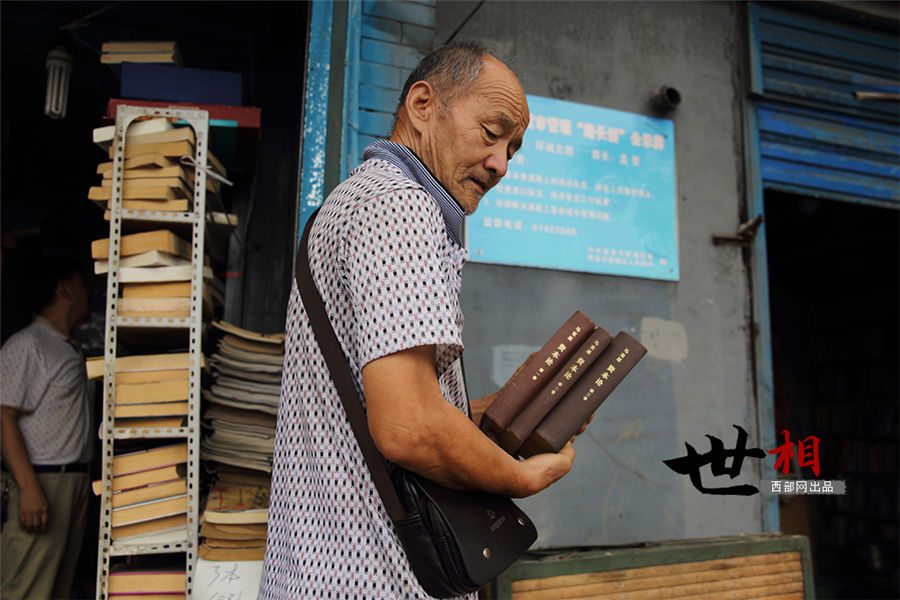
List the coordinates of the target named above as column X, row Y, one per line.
column 343, row 380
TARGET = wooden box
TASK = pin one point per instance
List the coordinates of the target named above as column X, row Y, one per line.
column 766, row 566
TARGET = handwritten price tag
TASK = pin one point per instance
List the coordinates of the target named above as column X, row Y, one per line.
column 231, row 580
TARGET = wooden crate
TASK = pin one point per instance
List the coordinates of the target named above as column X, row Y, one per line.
column 767, row 566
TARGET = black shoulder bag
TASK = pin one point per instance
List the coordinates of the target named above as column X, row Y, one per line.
column 456, row 541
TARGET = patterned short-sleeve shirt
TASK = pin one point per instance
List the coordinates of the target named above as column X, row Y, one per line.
column 390, row 277
column 43, row 376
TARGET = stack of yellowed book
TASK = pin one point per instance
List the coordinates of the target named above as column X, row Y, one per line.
column 149, row 495
column 155, row 274
column 234, row 523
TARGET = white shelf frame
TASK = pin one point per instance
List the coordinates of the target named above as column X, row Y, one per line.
column 199, row 121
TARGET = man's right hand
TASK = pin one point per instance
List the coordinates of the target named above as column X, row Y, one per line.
column 34, row 511
column 543, row 470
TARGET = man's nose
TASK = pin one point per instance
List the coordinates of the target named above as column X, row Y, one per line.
column 498, row 163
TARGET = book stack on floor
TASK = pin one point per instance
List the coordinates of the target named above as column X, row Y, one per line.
column 149, row 500
column 243, row 399
column 155, row 275
column 154, row 177
column 140, row 52
column 545, row 403
column 234, row 523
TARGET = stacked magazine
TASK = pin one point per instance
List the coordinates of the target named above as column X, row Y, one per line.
column 242, row 400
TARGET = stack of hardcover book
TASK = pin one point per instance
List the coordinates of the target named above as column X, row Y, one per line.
column 558, row 389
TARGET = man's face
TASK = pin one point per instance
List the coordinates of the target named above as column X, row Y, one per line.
column 469, row 145
column 79, row 297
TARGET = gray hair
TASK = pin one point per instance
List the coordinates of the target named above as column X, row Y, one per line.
column 449, row 69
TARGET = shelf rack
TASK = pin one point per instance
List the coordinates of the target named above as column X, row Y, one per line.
column 192, row 327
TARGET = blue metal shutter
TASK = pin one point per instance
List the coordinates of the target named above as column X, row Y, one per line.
column 819, row 133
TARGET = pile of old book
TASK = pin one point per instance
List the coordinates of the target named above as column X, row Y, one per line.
column 149, row 495
column 154, row 177
column 554, row 393
column 155, row 275
column 151, row 390
column 233, row 524
column 242, row 400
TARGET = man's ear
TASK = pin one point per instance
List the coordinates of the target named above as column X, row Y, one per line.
column 63, row 290
column 421, row 104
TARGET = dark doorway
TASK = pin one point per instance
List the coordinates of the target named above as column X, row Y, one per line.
column 834, row 288
column 49, row 165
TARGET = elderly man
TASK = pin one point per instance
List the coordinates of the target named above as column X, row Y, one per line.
column 386, row 254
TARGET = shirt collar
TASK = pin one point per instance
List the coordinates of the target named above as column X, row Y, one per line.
column 49, row 325
column 412, row 167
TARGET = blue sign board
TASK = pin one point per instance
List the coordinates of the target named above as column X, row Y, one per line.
column 591, row 189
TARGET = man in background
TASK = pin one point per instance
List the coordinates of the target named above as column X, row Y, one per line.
column 45, row 439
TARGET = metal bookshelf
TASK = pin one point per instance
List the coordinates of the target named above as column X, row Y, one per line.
column 192, row 328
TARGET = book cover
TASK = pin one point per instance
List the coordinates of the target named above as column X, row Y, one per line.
column 141, row 161
column 532, row 414
column 208, row 552
column 536, row 373
column 132, row 580
column 237, row 504
column 147, row 274
column 151, row 409
column 142, row 478
column 103, row 136
column 139, row 46
column 178, row 205
column 151, row 258
column 149, row 458
column 153, row 362
column 234, row 531
column 174, row 527
column 586, row 395
column 150, row 509
column 156, row 391
column 169, row 149
column 150, row 423
column 162, row 289
column 154, row 491
column 138, row 243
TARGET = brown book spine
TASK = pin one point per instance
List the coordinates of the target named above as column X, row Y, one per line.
column 513, row 396
column 588, row 393
column 522, row 426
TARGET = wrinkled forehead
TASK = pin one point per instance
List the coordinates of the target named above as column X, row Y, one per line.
column 502, row 94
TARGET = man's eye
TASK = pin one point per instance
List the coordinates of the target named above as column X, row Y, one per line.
column 490, row 133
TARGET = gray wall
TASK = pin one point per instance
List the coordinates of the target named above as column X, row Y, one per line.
column 698, row 376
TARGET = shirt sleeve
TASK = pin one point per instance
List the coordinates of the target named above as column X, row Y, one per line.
column 400, row 276
column 19, row 367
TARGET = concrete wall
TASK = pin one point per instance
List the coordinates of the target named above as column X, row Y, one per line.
column 698, row 376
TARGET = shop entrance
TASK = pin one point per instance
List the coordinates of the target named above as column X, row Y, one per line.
column 834, row 277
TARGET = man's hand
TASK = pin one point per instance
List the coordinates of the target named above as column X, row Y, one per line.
column 34, row 511
column 546, row 469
